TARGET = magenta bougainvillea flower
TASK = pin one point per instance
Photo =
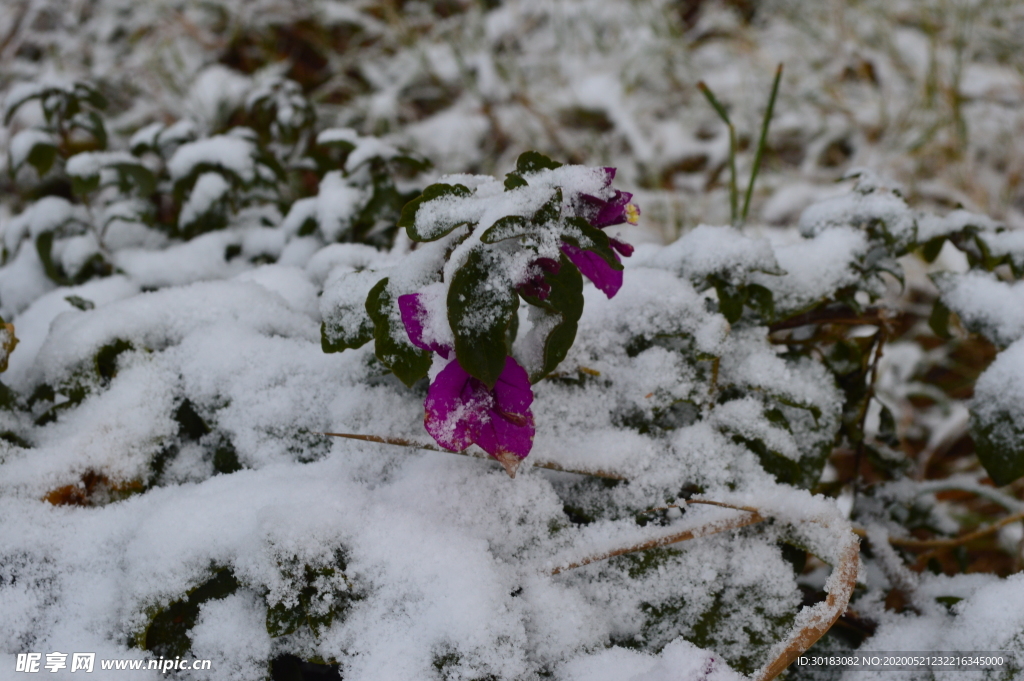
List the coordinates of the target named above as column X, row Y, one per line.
column 461, row 410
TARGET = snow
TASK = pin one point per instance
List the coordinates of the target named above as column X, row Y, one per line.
column 21, row 282
column 364, row 148
column 868, row 205
column 232, row 153
column 207, row 191
column 999, row 398
column 336, row 205
column 22, row 144
column 707, row 250
column 244, row 351
column 679, row 660
column 90, row 163
column 816, row 267
column 199, row 259
column 46, row 215
column 992, row 307
column 33, row 324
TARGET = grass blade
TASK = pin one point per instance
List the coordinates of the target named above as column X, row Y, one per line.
column 733, row 193
column 761, row 142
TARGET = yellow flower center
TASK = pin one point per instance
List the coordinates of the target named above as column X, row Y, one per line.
column 632, row 213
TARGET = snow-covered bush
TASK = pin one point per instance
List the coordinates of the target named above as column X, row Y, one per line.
column 132, row 210
column 242, row 345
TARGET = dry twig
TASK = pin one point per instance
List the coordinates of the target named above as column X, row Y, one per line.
column 694, row 533
column 475, row 454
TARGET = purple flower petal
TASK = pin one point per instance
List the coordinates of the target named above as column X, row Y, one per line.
column 501, row 436
column 615, row 211
column 460, row 410
column 624, row 249
column 456, row 407
column 537, row 285
column 510, row 428
column 414, row 315
column 549, row 265
column 595, row 268
column 512, row 392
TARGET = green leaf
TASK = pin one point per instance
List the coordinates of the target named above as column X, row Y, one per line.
column 140, row 176
column 480, row 310
column 391, row 343
column 90, row 94
column 939, row 320
column 583, row 235
column 335, row 339
column 565, row 302
column 730, row 299
column 80, row 302
column 84, row 185
column 106, row 358
column 41, row 157
column 44, row 246
column 814, row 409
column 514, row 180
column 9, row 400
column 92, row 122
column 167, row 633
column 550, row 211
column 412, row 164
column 508, row 227
column 532, row 161
column 347, row 326
column 879, row 260
column 999, row 443
column 225, row 457
column 777, row 418
column 887, row 428
column 439, row 228
column 283, row 620
column 510, row 335
column 804, row 473
column 761, row 301
column 932, row 248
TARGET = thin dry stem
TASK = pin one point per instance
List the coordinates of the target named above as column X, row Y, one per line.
column 953, row 542
column 703, row 531
column 474, row 454
column 822, row 616
column 835, row 605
